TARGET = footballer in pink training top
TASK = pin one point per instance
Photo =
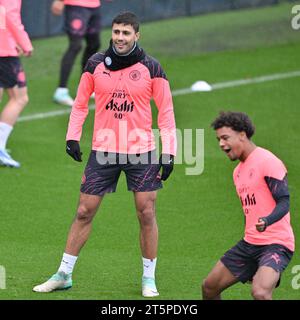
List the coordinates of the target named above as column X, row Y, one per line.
column 261, row 183
column 82, row 23
column 124, row 79
column 14, row 41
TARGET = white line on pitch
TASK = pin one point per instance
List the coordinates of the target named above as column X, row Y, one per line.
column 50, row 114
column 216, row 86
column 241, row 82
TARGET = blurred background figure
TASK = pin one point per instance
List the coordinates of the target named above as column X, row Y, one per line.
column 14, row 42
column 82, row 21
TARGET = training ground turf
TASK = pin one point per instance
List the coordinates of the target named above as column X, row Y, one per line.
column 199, row 216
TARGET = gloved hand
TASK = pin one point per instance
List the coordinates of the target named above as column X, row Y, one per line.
column 73, row 149
column 166, row 161
column 261, row 225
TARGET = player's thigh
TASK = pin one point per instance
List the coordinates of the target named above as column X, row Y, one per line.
column 76, row 20
column 145, row 201
column 220, row 277
column 101, row 174
column 12, row 73
column 95, row 21
column 272, row 261
column 142, row 173
column 1, row 94
column 265, row 278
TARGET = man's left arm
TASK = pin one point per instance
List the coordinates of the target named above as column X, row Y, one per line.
column 280, row 193
column 16, row 27
column 166, row 123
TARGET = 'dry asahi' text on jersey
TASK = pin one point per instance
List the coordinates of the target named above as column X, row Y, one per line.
column 123, row 117
column 257, row 200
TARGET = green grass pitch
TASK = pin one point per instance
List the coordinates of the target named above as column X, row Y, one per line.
column 199, row 216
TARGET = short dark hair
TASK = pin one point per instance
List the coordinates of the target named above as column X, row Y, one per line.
column 237, row 121
column 126, row 18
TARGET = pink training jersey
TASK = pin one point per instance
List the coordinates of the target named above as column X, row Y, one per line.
column 123, row 117
column 12, row 33
column 83, row 3
column 256, row 198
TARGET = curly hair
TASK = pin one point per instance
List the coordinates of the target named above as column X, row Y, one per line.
column 237, row 121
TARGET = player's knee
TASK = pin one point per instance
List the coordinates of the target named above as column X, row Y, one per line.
column 259, row 293
column 20, row 99
column 23, row 100
column 147, row 216
column 85, row 214
column 209, row 288
column 75, row 45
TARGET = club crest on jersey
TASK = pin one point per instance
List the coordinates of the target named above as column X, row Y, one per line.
column 108, row 61
column 135, row 75
column 251, row 173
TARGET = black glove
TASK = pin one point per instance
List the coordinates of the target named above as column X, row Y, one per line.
column 73, row 149
column 166, row 161
column 263, row 227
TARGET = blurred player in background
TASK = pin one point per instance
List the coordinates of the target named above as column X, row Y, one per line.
column 261, row 183
column 82, row 21
column 124, row 80
column 14, row 42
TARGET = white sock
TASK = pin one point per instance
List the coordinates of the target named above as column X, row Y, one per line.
column 62, row 90
column 67, row 263
column 149, row 267
column 5, row 130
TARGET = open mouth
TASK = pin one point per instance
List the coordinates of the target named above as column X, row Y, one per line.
column 227, row 150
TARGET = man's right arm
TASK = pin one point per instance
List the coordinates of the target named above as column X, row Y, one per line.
column 80, row 107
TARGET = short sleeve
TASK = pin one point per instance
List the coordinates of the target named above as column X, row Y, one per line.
column 274, row 168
